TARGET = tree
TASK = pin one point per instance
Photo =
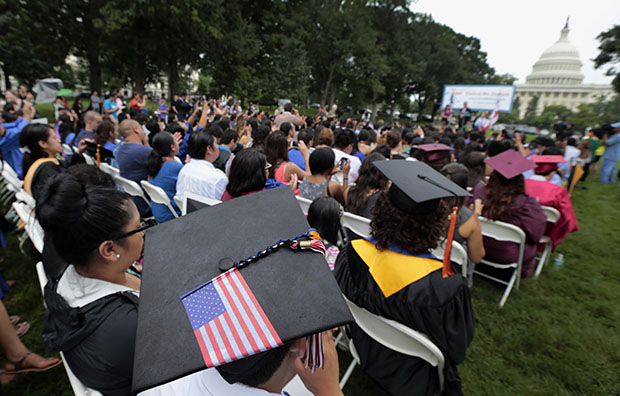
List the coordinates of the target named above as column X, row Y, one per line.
column 530, row 110
column 610, row 54
column 33, row 43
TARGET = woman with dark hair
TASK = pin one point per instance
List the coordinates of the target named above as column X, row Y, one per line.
column 474, row 161
column 248, row 174
column 92, row 310
column 77, row 107
column 106, row 135
column 319, row 183
column 41, row 146
column 163, row 171
column 505, row 200
column 393, row 274
column 276, row 151
column 324, row 214
column 369, row 185
column 393, row 139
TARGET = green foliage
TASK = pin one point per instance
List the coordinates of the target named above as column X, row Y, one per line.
column 610, row 54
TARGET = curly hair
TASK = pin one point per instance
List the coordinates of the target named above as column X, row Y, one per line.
column 415, row 234
column 500, row 194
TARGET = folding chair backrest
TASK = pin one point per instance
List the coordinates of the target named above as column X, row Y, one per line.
column 501, row 231
column 26, row 198
column 398, row 337
column 179, row 201
column 158, row 195
column 42, row 277
column 304, row 203
column 130, row 187
column 552, row 214
column 358, row 224
column 109, row 169
column 458, row 255
column 8, row 168
column 12, row 179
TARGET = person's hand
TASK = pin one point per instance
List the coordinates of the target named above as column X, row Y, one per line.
column 82, row 145
column 293, row 182
column 245, row 140
column 477, row 207
column 303, row 149
column 2, row 131
column 324, row 381
column 28, row 111
column 178, row 137
column 518, row 138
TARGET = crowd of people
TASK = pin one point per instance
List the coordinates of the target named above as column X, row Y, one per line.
column 218, row 150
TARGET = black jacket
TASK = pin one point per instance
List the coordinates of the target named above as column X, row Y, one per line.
column 438, row 307
column 98, row 339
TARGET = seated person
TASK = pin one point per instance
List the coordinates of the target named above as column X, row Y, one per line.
column 370, row 184
column 276, row 151
column 468, row 228
column 319, row 183
column 199, row 175
column 163, row 171
column 552, row 195
column 248, row 174
column 294, row 155
column 132, row 156
column 505, row 200
column 324, row 214
column 92, row 310
column 394, row 276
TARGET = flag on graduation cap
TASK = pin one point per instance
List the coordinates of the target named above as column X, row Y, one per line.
column 228, row 321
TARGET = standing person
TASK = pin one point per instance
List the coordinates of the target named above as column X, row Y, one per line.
column 446, row 114
column 465, row 115
column 59, row 104
column 95, row 102
column 110, row 107
column 78, row 107
column 595, row 143
column 163, row 110
column 163, row 171
column 132, row 157
column 199, row 175
column 183, row 107
column 408, row 221
column 120, row 102
column 482, row 123
column 611, row 155
column 136, row 105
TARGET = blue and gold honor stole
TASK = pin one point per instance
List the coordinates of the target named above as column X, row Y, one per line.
column 394, row 270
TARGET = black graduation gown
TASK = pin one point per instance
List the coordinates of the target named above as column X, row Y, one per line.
column 439, row 307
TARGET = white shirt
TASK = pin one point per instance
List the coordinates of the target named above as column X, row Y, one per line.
column 571, row 153
column 78, row 290
column 202, row 178
column 209, row 382
column 354, row 172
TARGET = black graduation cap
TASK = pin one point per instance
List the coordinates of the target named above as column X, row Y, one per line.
column 104, row 153
column 416, row 187
column 285, row 295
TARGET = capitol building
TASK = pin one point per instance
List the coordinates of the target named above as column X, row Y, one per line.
column 556, row 79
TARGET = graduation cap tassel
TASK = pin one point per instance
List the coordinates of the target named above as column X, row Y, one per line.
column 98, row 155
column 447, row 266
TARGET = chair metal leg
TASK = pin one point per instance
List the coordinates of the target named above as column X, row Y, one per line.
column 508, row 288
column 543, row 260
column 347, row 374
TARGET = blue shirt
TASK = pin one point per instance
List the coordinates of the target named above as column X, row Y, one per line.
column 84, row 134
column 131, row 159
column 9, row 145
column 110, row 105
column 612, row 148
column 167, row 180
column 69, row 138
column 295, row 156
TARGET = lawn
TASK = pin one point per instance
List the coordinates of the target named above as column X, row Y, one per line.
column 558, row 335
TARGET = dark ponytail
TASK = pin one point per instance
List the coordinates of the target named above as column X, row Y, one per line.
column 79, row 218
column 161, row 148
column 29, row 139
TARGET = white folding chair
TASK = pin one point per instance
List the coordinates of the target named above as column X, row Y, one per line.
column 158, row 195
column 458, row 255
column 89, row 160
column 109, row 169
column 504, row 232
column 25, row 216
column 190, row 196
column 132, row 188
column 358, row 224
column 395, row 336
column 304, row 203
column 553, row 215
column 79, row 389
column 12, row 184
column 67, row 150
column 179, row 201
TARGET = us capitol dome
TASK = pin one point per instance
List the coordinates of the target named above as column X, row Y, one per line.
column 556, row 79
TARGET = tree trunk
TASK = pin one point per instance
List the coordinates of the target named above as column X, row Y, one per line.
column 173, row 78
column 7, row 80
column 373, row 116
column 139, row 76
column 93, row 48
column 332, row 97
column 328, row 84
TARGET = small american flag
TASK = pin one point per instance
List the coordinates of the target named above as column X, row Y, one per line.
column 228, row 322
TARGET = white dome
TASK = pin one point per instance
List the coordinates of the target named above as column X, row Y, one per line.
column 558, row 64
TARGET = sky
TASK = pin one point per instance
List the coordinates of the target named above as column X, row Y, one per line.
column 515, row 33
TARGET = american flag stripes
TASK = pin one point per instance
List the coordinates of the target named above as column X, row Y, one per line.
column 228, row 322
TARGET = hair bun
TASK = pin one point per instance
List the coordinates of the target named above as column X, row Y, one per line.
column 60, row 202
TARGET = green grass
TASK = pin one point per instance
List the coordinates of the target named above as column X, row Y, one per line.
column 558, row 335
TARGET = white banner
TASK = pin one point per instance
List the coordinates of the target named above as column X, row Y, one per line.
column 479, row 97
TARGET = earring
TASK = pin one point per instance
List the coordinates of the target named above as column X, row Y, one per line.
column 118, row 256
